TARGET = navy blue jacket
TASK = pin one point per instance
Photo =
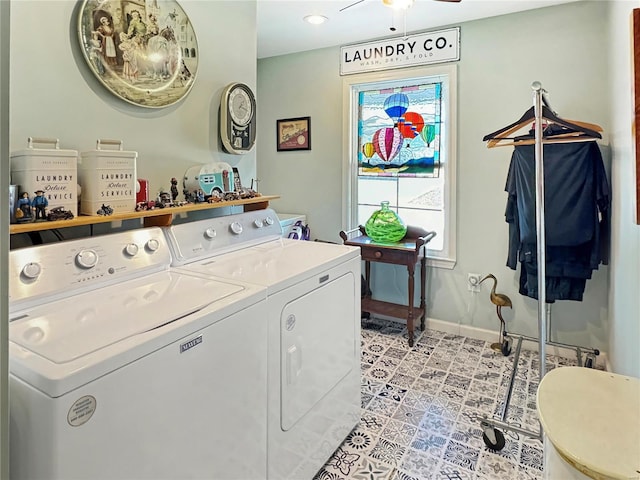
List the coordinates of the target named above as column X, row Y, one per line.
column 577, row 217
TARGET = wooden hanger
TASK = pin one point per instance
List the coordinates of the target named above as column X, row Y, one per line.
column 578, row 131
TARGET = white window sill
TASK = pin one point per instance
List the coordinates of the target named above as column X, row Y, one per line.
column 447, row 263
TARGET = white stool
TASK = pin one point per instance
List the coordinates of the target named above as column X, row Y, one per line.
column 591, row 423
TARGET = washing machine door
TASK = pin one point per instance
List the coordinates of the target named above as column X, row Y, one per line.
column 317, row 346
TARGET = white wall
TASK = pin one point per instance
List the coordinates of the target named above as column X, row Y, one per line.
column 560, row 46
column 54, row 94
column 500, row 59
column 309, row 182
column 624, row 298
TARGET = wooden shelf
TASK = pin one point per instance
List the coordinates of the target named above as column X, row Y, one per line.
column 389, row 309
column 155, row 217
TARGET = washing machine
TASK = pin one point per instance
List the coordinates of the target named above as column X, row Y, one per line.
column 122, row 368
column 312, row 313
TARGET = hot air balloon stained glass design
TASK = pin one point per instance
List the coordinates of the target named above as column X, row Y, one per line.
column 395, row 105
column 368, row 150
column 407, row 130
column 403, row 126
column 428, row 133
column 387, row 143
column 415, row 120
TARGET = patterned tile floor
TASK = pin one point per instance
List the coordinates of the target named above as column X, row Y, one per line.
column 421, row 408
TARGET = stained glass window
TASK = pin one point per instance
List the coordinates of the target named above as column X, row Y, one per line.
column 399, row 131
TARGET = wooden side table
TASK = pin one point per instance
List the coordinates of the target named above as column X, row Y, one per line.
column 406, row 252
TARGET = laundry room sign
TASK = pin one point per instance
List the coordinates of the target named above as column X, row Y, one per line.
column 421, row 49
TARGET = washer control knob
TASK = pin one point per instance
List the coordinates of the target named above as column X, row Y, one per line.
column 31, row 270
column 236, row 228
column 269, row 221
column 153, row 245
column 258, row 223
column 210, row 233
column 131, row 249
column 87, row 258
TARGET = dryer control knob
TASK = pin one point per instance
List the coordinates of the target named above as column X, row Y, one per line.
column 87, row 258
column 269, row 221
column 153, row 245
column 236, row 228
column 131, row 249
column 210, row 233
column 258, row 223
column 31, row 270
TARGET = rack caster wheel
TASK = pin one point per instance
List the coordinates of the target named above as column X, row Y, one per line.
column 590, row 361
column 493, row 438
column 506, row 346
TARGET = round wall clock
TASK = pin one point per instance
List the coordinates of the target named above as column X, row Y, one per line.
column 238, row 119
column 146, row 53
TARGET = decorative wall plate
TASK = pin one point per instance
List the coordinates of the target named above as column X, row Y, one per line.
column 146, row 53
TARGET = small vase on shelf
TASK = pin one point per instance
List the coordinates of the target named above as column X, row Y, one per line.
column 385, row 226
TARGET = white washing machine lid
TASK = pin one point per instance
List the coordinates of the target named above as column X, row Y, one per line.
column 63, row 344
column 276, row 264
column 591, row 417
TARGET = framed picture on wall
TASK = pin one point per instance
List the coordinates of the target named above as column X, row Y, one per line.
column 293, row 134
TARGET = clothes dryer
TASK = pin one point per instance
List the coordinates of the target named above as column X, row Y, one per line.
column 121, row 368
column 313, row 316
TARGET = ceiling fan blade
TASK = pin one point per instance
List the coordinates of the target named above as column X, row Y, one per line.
column 351, row 5
column 452, row 1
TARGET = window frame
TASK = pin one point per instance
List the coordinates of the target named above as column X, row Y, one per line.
column 352, row 85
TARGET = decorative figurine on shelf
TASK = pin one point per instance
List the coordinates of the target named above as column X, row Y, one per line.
column 59, row 213
column 188, row 196
column 105, row 210
column 40, row 204
column 174, row 189
column 144, row 206
column 199, row 196
column 23, row 210
column 164, row 199
column 245, row 192
column 215, row 197
column 500, row 300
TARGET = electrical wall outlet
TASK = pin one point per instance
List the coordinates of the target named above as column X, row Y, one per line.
column 473, row 282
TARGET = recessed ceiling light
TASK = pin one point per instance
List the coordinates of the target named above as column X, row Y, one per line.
column 315, row 19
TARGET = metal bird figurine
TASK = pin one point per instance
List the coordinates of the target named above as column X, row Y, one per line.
column 499, row 300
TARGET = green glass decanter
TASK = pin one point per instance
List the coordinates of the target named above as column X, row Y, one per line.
column 385, row 226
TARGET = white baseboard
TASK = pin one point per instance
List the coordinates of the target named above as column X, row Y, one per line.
column 602, row 361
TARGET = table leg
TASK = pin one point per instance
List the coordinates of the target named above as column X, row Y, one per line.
column 411, row 269
column 423, row 305
column 367, row 277
column 367, row 294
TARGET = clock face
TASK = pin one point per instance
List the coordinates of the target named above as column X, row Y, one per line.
column 237, row 118
column 240, row 106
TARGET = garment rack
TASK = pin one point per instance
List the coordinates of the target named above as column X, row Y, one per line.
column 493, row 437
